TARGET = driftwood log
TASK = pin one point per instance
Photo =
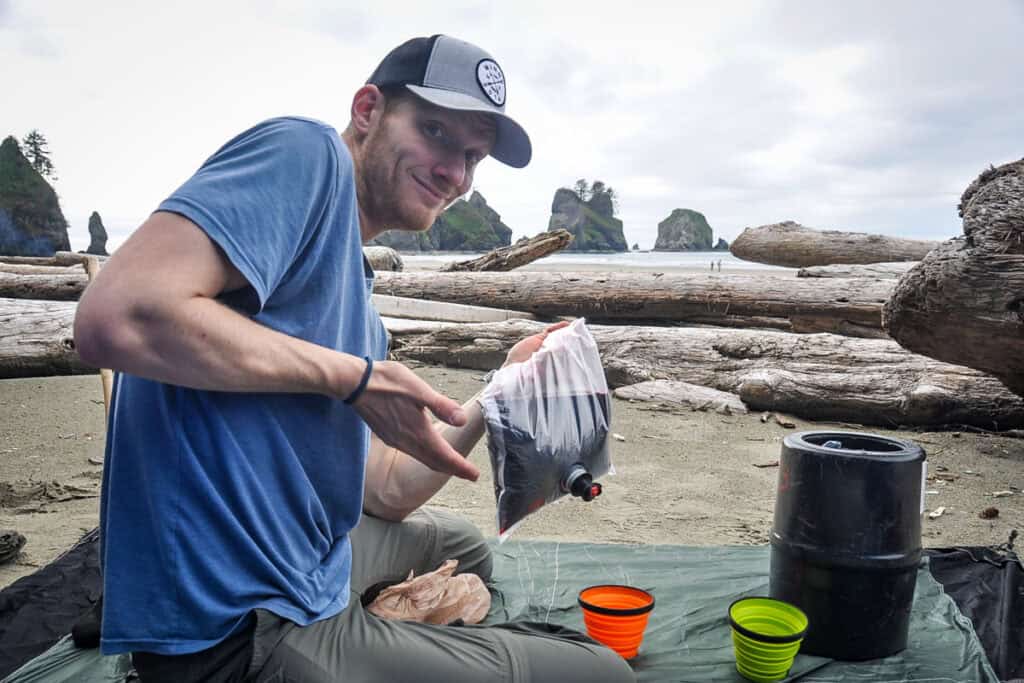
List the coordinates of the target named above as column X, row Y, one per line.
column 61, row 258
column 507, row 258
column 36, row 339
column 850, row 307
column 796, row 246
column 383, row 258
column 964, row 303
column 67, row 282
column 817, row 377
column 678, row 394
column 880, row 271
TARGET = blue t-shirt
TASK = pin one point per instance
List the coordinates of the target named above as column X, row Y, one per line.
column 217, row 503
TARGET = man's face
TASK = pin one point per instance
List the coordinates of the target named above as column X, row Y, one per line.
column 419, row 159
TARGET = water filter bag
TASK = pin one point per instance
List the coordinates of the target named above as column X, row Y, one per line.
column 546, row 418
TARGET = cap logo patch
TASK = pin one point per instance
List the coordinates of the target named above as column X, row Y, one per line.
column 491, row 80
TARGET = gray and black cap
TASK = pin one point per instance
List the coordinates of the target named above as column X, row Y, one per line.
column 454, row 74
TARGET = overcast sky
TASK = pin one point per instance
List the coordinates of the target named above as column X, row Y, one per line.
column 867, row 116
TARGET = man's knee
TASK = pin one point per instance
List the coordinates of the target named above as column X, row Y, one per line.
column 461, row 540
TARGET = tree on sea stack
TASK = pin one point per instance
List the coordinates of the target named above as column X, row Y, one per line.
column 37, row 151
column 588, row 213
column 31, row 222
column 964, row 303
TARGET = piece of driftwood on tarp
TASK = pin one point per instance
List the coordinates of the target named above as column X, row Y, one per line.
column 882, row 271
column 793, row 245
column 516, row 255
column 850, row 307
column 964, row 303
column 815, row 377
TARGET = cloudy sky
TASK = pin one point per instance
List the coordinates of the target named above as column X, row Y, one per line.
column 870, row 116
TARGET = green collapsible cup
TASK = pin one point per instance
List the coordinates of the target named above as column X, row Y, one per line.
column 766, row 635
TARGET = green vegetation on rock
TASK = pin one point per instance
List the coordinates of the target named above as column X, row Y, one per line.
column 588, row 213
column 31, row 222
column 465, row 226
column 684, row 230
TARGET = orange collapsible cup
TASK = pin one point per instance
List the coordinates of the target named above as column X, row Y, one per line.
column 616, row 616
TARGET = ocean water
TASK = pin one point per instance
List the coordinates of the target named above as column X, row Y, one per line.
column 649, row 259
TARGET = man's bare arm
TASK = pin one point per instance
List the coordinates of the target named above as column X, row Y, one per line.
column 152, row 312
column 397, row 484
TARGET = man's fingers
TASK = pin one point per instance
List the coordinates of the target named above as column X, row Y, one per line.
column 556, row 326
column 445, row 409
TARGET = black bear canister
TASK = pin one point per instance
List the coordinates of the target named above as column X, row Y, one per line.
column 846, row 539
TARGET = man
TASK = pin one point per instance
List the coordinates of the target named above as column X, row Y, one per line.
column 251, row 363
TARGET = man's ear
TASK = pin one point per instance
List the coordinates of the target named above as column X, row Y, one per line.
column 367, row 100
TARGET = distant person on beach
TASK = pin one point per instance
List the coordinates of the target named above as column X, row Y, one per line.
column 266, row 465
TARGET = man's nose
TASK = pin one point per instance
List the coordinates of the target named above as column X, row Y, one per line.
column 453, row 169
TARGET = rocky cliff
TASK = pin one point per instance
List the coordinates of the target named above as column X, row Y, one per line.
column 31, row 222
column 592, row 223
column 686, row 230
column 465, row 226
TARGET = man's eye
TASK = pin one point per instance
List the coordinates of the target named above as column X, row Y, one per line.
column 433, row 130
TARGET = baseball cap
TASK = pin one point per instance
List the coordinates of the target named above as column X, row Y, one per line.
column 454, row 74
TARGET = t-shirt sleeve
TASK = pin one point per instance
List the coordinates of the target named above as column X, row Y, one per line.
column 259, row 197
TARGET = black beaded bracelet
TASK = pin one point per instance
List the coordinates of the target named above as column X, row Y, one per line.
column 362, row 382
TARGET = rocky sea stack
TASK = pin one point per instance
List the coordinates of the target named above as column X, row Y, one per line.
column 465, row 226
column 592, row 223
column 31, row 222
column 687, row 230
column 97, row 236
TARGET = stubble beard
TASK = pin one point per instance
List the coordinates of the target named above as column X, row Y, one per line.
column 382, row 188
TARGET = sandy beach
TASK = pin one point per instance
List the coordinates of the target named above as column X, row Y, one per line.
column 592, row 263
column 681, row 477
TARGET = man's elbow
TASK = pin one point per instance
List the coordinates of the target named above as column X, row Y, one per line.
column 376, row 506
column 98, row 333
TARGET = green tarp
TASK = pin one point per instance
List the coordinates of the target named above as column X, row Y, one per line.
column 687, row 638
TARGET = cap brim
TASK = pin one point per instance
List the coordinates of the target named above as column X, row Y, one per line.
column 512, row 144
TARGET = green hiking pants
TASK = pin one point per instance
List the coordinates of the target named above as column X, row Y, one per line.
column 358, row 647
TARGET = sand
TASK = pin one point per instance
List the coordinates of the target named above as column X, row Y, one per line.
column 432, row 262
column 683, row 477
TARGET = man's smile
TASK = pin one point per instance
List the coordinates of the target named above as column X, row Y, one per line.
column 430, row 191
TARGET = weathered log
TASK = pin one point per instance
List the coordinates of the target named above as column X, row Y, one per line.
column 683, row 395
column 419, row 309
column 796, row 246
column 67, row 286
column 507, row 258
column 850, row 307
column 825, row 377
column 383, row 258
column 41, row 279
column 964, row 303
column 816, row 377
column 28, row 269
column 61, row 258
column 36, row 339
column 882, row 271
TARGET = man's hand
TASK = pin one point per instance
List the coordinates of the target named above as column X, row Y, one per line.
column 395, row 405
column 525, row 348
